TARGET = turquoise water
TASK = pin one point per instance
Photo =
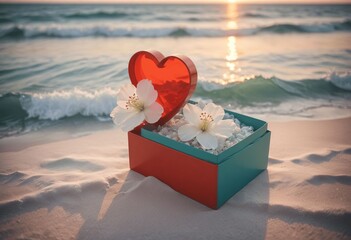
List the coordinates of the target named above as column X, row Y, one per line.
column 66, row 62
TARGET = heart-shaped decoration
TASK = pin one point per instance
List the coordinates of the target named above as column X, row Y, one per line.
column 174, row 78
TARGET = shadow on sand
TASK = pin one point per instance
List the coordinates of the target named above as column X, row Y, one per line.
column 146, row 208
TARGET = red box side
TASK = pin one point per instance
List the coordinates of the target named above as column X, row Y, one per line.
column 188, row 175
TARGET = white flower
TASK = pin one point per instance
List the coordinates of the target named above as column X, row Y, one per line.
column 136, row 105
column 206, row 125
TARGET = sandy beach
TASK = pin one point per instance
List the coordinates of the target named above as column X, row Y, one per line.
column 79, row 186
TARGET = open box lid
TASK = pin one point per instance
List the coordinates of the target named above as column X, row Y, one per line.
column 259, row 126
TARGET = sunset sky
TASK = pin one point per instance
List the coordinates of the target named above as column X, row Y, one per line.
column 178, row 1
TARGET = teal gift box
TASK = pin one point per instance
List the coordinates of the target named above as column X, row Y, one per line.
column 207, row 178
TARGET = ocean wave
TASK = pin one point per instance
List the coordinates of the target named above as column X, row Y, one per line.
column 96, row 15
column 316, row 28
column 275, row 91
column 92, row 15
column 63, row 31
column 59, row 104
column 253, row 15
column 208, row 19
column 114, row 15
column 56, row 105
column 341, row 80
column 26, row 112
column 99, row 103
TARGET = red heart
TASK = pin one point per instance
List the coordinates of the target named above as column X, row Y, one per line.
column 174, row 78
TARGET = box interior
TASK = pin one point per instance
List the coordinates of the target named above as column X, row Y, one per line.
column 260, row 128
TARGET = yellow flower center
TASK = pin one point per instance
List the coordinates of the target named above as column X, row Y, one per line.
column 206, row 120
column 134, row 102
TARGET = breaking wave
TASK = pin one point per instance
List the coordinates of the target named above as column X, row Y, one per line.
column 64, row 31
column 62, row 104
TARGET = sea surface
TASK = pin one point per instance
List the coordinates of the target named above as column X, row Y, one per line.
column 63, row 64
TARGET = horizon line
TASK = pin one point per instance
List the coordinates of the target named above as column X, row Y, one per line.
column 177, row 3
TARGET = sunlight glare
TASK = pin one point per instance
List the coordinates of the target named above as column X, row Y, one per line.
column 231, row 75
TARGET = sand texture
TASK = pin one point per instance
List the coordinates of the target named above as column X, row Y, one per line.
column 62, row 185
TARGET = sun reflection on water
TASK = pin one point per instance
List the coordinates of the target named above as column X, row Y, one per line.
column 231, row 75
column 232, row 53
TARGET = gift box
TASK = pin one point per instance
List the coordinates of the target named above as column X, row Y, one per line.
column 207, row 178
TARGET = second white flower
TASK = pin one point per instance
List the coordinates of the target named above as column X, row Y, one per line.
column 206, row 125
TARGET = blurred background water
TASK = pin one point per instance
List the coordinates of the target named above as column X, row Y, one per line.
column 65, row 63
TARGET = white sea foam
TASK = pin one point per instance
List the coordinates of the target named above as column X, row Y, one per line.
column 60, row 104
column 340, row 79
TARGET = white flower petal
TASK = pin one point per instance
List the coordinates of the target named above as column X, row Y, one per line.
column 146, row 92
column 215, row 111
column 124, row 93
column 223, row 128
column 207, row 140
column 153, row 112
column 188, row 132
column 126, row 119
column 133, row 121
column 119, row 115
column 192, row 114
column 122, row 104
